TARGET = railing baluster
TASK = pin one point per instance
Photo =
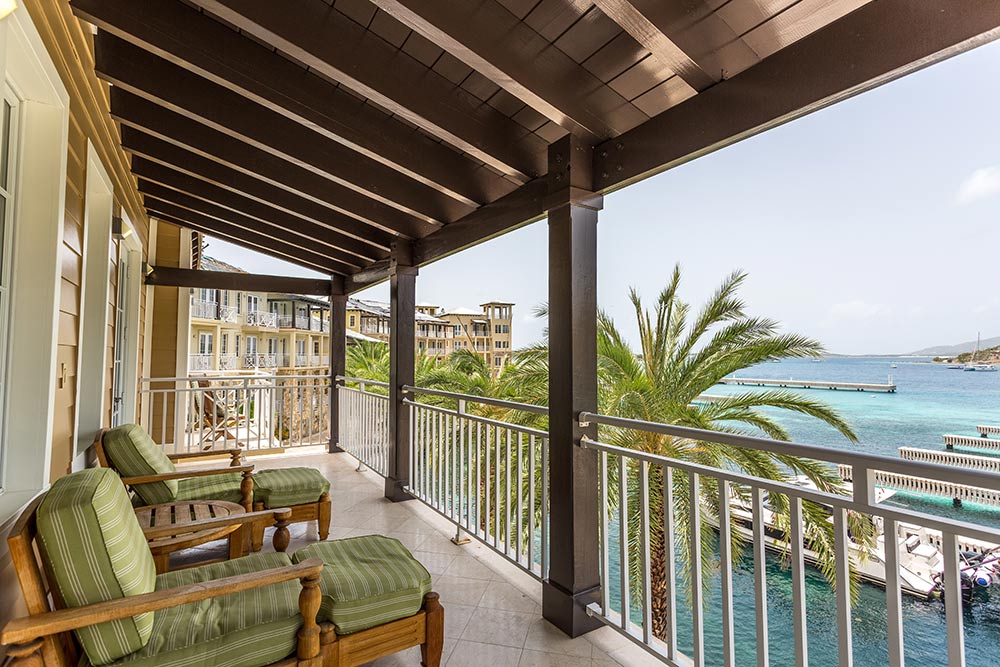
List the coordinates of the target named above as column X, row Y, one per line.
column 605, row 541
column 507, row 464
column 669, row 563
column 479, row 481
column 760, row 577
column 545, row 506
column 647, row 591
column 624, row 598
column 531, row 505
column 953, row 600
column 726, row 574
column 797, row 539
column 519, row 535
column 697, row 590
column 893, row 594
column 841, row 547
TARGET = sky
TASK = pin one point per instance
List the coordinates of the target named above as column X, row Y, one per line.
column 872, row 225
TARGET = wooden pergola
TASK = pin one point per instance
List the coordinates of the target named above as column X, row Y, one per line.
column 367, row 138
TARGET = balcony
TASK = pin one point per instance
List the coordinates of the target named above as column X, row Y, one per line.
column 262, row 319
column 201, row 362
column 267, row 361
column 229, row 362
column 205, row 310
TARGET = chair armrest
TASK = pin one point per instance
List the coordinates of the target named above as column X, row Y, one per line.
column 184, row 474
column 26, row 629
column 235, row 454
column 277, row 515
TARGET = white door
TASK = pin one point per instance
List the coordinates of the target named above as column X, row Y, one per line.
column 8, row 131
column 122, row 305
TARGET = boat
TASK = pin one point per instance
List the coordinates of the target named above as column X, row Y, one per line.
column 972, row 366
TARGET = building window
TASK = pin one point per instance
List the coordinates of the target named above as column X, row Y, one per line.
column 236, row 347
column 253, row 304
column 272, row 346
column 223, row 344
column 204, row 343
column 350, row 321
column 252, row 341
column 239, row 307
column 497, row 361
column 316, row 348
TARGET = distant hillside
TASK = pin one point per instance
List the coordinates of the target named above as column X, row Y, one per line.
column 952, row 350
column 989, row 355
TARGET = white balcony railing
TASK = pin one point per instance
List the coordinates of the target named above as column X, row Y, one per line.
column 201, row 362
column 261, row 318
column 228, row 314
column 301, row 360
column 364, row 423
column 206, row 310
column 260, row 361
column 315, row 324
column 284, row 321
column 257, row 412
column 228, row 362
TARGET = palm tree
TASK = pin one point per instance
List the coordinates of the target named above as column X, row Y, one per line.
column 682, row 355
column 369, row 360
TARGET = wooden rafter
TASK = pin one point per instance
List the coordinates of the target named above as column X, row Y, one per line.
column 481, row 33
column 247, row 282
column 145, row 75
column 228, row 59
column 371, row 67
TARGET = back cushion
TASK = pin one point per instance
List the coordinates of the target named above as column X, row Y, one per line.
column 96, row 552
column 132, row 453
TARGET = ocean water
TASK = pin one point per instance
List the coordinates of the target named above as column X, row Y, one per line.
column 930, row 401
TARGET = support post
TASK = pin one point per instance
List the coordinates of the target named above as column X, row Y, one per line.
column 337, row 350
column 402, row 305
column 574, row 562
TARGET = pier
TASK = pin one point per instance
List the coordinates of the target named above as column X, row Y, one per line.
column 957, row 492
column 970, row 441
column 811, row 384
column 988, row 430
column 989, row 463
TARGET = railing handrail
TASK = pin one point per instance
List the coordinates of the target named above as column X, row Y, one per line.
column 943, row 524
column 485, row 400
column 347, row 378
column 230, row 378
column 860, row 461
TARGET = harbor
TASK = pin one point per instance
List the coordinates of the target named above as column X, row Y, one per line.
column 888, row 387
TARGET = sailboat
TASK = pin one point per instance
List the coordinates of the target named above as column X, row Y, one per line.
column 981, row 368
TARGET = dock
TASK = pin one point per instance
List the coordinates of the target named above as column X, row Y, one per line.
column 959, row 493
column 988, row 430
column 970, row 441
column 811, row 384
column 989, row 463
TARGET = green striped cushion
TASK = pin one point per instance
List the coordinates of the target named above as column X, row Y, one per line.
column 248, row 629
column 284, row 487
column 367, row 581
column 96, row 552
column 132, row 453
column 224, row 486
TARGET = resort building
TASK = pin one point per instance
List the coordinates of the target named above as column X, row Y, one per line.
column 364, row 140
column 439, row 332
column 234, row 330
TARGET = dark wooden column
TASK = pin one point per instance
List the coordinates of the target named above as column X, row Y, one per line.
column 337, row 350
column 574, row 567
column 402, row 301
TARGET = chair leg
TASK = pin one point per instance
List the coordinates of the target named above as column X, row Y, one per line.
column 257, row 536
column 323, row 516
column 430, row 650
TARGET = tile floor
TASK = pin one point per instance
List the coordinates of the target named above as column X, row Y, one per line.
column 492, row 608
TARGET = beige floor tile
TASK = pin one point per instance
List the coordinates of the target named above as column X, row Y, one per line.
column 459, row 590
column 543, row 636
column 472, row 654
column 531, row 658
column 435, row 541
column 501, row 595
column 470, row 568
column 495, row 626
column 456, row 619
column 435, row 563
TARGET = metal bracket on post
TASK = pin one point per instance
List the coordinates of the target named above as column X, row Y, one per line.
column 459, row 538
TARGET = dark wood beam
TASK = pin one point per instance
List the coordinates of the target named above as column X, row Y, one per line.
column 402, row 356
column 370, row 66
column 247, row 282
column 685, row 35
column 133, row 69
column 150, row 130
column 266, row 243
column 523, row 206
column 338, row 359
column 345, row 248
column 371, row 275
column 876, row 43
column 487, row 37
column 223, row 56
column 346, row 263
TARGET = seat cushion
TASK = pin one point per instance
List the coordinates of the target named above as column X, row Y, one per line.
column 96, row 552
column 133, row 453
column 283, row 487
column 367, row 581
column 255, row 627
column 224, row 486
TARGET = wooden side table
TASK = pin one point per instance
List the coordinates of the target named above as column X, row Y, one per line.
column 160, row 524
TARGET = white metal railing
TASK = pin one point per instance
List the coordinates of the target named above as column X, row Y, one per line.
column 228, row 362
column 206, row 310
column 630, row 534
column 200, row 362
column 364, row 423
column 262, row 318
column 256, row 412
column 301, row 360
column 489, row 477
column 260, row 361
column 315, row 324
column 228, row 314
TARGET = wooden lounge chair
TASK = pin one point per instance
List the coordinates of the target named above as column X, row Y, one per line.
column 151, row 474
column 214, row 416
column 110, row 609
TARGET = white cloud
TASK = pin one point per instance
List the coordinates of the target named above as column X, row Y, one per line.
column 980, row 184
column 855, row 310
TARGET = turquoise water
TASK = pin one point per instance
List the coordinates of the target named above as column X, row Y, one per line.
column 931, row 400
